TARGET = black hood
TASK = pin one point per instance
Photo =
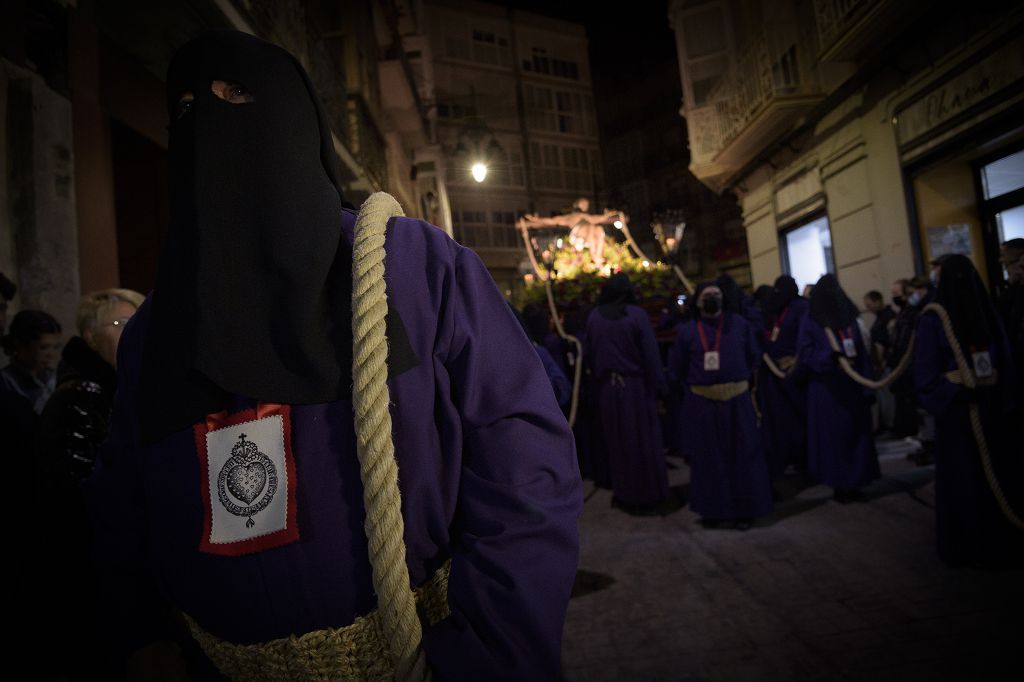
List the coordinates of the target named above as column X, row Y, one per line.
column 254, row 286
column 830, row 306
column 615, row 295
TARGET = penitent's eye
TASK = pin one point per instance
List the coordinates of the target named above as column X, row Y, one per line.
column 185, row 103
column 233, row 93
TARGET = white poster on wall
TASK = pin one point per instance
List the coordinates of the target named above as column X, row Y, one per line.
column 946, row 239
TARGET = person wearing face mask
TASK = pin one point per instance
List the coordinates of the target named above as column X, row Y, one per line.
column 971, row 526
column 711, row 365
column 840, row 443
column 315, row 417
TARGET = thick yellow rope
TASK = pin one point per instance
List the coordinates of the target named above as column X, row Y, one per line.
column 377, row 466
column 844, row 363
column 578, row 368
column 969, row 380
column 773, row 368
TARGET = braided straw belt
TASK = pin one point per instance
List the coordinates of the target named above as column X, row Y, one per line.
column 721, row 392
column 384, row 644
column 355, row 652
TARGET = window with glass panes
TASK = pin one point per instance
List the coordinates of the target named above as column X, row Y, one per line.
column 480, row 228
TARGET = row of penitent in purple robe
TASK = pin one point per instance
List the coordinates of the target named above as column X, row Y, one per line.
column 739, row 426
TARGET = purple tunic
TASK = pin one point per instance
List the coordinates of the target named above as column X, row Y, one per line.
column 486, row 467
column 783, row 402
column 728, row 473
column 969, row 525
column 626, row 373
column 840, row 444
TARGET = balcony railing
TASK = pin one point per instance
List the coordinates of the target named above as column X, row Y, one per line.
column 766, row 88
column 771, row 67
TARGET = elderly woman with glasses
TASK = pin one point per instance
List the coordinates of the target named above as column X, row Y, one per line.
column 75, row 418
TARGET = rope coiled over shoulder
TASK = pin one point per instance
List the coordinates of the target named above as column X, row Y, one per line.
column 378, row 469
column 970, row 381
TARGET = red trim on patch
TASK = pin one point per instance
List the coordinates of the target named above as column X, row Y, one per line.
column 221, row 420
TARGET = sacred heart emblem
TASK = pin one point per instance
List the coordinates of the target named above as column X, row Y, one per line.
column 246, row 482
column 249, row 477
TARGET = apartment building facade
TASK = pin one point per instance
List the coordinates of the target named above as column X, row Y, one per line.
column 862, row 137
column 513, row 92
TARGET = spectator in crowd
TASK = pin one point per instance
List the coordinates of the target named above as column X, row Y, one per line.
column 879, row 336
column 74, row 424
column 33, row 344
column 76, row 418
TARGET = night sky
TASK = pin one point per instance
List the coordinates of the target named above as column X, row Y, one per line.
column 623, row 44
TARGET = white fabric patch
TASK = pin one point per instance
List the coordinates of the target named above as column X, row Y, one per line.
column 982, row 362
column 248, row 480
column 712, row 361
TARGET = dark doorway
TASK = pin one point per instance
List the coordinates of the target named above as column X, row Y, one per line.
column 140, row 200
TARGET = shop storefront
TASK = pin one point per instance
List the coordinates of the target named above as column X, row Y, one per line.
column 961, row 144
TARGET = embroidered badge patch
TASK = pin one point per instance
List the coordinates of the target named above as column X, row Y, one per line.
column 249, row 480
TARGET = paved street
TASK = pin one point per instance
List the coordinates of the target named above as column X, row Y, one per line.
column 818, row 591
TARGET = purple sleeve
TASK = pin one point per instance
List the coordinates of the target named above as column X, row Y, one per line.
column 813, row 349
column 935, row 392
column 515, row 542
column 134, row 611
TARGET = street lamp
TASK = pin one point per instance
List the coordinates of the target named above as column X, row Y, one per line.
column 476, row 141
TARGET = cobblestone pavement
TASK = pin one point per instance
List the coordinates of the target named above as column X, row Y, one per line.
column 817, row 591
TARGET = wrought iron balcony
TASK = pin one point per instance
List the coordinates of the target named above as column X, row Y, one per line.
column 849, row 29
column 764, row 91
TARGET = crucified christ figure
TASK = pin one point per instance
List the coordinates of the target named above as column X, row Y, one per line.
column 586, row 229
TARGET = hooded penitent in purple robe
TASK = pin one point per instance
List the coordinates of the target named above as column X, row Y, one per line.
column 840, row 443
column 486, row 467
column 783, row 402
column 969, row 523
column 626, row 375
column 728, row 473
